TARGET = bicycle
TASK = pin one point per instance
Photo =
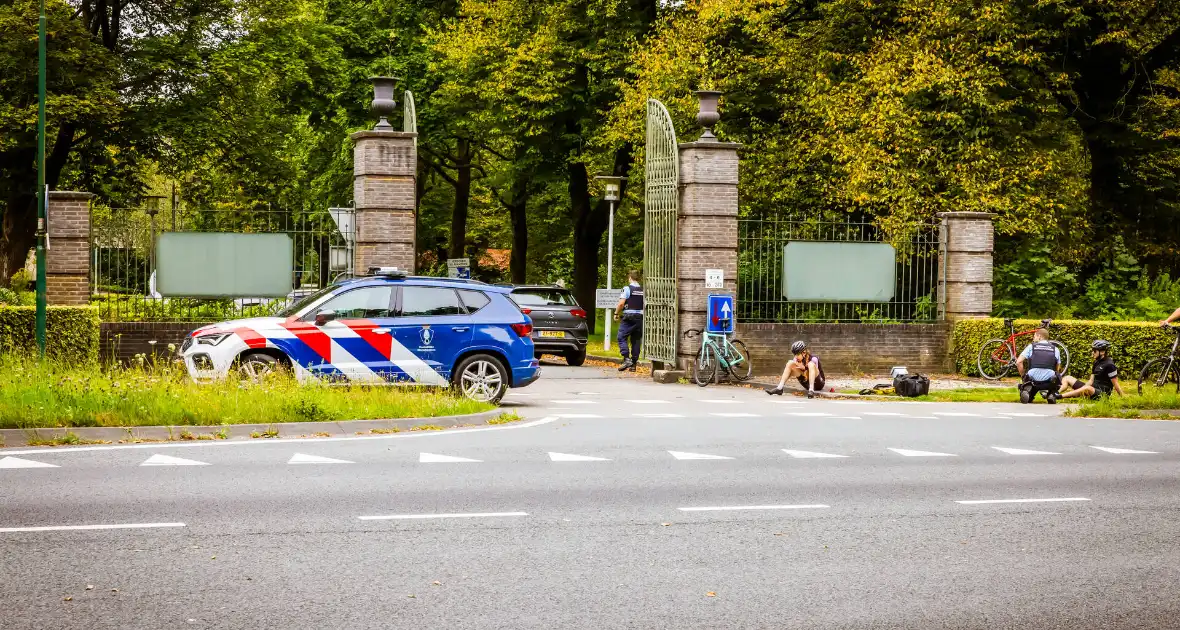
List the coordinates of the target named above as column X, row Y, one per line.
column 1164, row 372
column 719, row 351
column 997, row 357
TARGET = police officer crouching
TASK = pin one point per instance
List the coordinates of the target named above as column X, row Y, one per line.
column 1040, row 368
column 630, row 311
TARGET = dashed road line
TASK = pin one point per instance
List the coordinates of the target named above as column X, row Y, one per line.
column 727, row 508
column 810, row 454
column 16, row 462
column 658, row 415
column 70, row 528
column 431, row 458
column 1022, row 451
column 683, row 455
column 395, row 517
column 1124, row 451
column 570, row 416
column 650, row 401
column 808, row 414
column 300, row 458
column 911, row 453
column 567, row 457
column 987, row 501
column 735, row 414
column 168, row 460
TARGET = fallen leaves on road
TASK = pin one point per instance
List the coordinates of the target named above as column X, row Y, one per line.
column 436, row 583
column 780, row 533
column 665, row 524
column 67, row 599
column 710, row 594
column 412, row 596
column 90, row 587
column 114, row 590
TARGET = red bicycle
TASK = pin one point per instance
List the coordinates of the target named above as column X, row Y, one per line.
column 997, row 357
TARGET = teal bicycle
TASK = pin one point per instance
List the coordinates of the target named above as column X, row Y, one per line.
column 719, row 353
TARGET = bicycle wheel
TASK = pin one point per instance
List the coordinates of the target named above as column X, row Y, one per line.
column 1064, row 356
column 704, row 368
column 740, row 365
column 1159, row 376
column 995, row 359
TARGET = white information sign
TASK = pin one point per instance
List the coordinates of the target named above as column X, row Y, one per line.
column 459, row 267
column 607, row 298
column 714, row 279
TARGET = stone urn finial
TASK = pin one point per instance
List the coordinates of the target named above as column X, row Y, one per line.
column 708, row 114
column 383, row 104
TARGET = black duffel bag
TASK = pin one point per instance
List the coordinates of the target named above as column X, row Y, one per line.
column 911, row 385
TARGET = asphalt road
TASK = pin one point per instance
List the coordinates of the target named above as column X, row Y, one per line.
column 616, row 504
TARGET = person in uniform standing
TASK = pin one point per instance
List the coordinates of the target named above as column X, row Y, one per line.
column 630, row 313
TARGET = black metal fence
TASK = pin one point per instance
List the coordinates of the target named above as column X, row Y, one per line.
column 123, row 257
column 761, row 250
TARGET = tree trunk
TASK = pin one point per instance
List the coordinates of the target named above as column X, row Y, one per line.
column 518, row 215
column 462, row 199
column 18, row 235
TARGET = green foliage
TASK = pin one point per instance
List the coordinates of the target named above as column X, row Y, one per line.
column 1032, row 284
column 1135, row 343
column 72, row 332
column 60, row 393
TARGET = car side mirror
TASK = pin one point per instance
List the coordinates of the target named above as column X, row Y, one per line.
column 324, row 317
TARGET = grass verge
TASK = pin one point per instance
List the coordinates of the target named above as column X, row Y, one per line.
column 1153, row 405
column 47, row 394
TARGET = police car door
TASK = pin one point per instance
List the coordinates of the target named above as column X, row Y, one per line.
column 355, row 326
column 431, row 330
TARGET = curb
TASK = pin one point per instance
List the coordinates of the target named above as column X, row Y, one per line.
column 20, row 437
column 615, row 360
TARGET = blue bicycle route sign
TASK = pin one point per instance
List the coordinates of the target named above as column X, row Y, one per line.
column 719, row 316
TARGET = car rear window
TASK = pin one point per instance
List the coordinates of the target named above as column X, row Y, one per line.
column 474, row 300
column 543, row 297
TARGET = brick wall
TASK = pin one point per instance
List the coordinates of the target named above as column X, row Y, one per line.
column 67, row 261
column 851, row 348
column 384, row 193
column 121, row 341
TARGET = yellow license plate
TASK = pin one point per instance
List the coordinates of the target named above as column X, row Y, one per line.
column 553, row 333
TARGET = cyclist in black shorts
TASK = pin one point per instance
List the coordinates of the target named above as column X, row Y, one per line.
column 805, row 367
column 1103, row 380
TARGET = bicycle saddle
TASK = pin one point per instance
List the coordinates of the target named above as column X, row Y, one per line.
column 1008, row 322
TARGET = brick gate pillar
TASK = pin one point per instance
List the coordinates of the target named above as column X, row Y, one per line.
column 67, row 261
column 965, row 264
column 707, row 231
column 385, row 166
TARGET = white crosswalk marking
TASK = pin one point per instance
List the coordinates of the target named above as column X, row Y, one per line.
column 16, row 462
column 168, row 460
column 1124, row 451
column 881, row 413
column 735, row 414
column 566, row 457
column 578, row 401
column 431, row 458
column 810, row 454
column 956, row 414
column 650, row 401
column 658, row 415
column 683, row 455
column 808, row 414
column 1022, row 451
column 716, row 401
column 911, row 453
column 300, row 458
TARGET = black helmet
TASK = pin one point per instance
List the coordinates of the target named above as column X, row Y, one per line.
column 1100, row 345
column 798, row 346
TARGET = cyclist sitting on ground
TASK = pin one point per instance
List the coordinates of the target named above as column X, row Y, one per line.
column 1104, row 379
column 805, row 367
column 1039, row 364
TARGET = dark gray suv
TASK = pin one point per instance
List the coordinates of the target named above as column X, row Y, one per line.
column 559, row 323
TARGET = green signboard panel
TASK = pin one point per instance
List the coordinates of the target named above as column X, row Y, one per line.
column 213, row 265
column 839, row 272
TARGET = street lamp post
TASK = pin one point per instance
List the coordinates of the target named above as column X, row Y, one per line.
column 613, row 184
column 42, row 194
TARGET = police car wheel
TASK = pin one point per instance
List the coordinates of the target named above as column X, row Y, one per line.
column 481, row 377
column 258, row 366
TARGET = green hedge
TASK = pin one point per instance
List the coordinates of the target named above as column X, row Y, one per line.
column 71, row 331
column 1135, row 343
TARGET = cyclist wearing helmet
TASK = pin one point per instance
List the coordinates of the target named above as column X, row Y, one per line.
column 1103, row 381
column 806, row 367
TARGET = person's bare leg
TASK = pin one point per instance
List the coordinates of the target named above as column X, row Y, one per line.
column 789, row 372
column 812, row 373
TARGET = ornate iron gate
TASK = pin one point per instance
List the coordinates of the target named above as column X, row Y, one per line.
column 661, row 206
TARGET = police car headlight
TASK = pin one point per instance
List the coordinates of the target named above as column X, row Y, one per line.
column 213, row 339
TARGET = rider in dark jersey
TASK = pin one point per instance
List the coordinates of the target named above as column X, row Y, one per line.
column 1103, row 380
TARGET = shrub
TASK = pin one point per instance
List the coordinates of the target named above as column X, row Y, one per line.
column 1135, row 343
column 71, row 332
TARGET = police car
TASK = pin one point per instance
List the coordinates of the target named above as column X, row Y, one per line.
column 381, row 328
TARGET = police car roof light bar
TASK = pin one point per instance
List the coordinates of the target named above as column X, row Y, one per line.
column 391, row 272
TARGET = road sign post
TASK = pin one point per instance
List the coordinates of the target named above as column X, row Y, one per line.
column 607, row 299
column 720, row 314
